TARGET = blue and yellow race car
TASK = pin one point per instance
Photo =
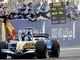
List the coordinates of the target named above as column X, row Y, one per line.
column 36, row 45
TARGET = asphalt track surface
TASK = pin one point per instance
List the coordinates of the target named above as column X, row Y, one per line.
column 65, row 54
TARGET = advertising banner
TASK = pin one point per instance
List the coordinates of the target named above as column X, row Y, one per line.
column 58, row 12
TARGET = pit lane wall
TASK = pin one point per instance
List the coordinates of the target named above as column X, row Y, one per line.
column 68, row 34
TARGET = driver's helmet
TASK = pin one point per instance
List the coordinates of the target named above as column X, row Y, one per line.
column 23, row 36
column 29, row 33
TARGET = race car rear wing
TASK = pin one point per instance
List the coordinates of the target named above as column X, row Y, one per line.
column 46, row 35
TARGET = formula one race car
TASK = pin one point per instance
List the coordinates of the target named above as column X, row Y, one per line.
column 35, row 45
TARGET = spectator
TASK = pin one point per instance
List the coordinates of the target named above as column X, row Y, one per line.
column 71, row 11
column 31, row 15
column 44, row 11
column 23, row 8
column 30, row 6
column 1, row 12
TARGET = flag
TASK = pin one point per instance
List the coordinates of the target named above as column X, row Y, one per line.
column 1, row 0
column 11, row 30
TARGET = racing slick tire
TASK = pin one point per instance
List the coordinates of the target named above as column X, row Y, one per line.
column 3, row 46
column 55, row 50
column 41, row 49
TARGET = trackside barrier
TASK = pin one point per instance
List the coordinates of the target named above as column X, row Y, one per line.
column 63, row 32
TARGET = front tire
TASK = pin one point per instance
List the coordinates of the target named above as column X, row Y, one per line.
column 41, row 49
column 3, row 46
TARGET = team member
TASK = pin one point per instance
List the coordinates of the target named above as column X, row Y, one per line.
column 30, row 15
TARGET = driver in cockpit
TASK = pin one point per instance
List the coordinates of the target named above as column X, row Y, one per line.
column 29, row 35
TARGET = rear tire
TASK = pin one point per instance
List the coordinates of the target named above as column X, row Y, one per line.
column 41, row 49
column 55, row 50
column 3, row 55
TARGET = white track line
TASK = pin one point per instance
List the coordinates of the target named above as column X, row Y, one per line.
column 70, row 48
